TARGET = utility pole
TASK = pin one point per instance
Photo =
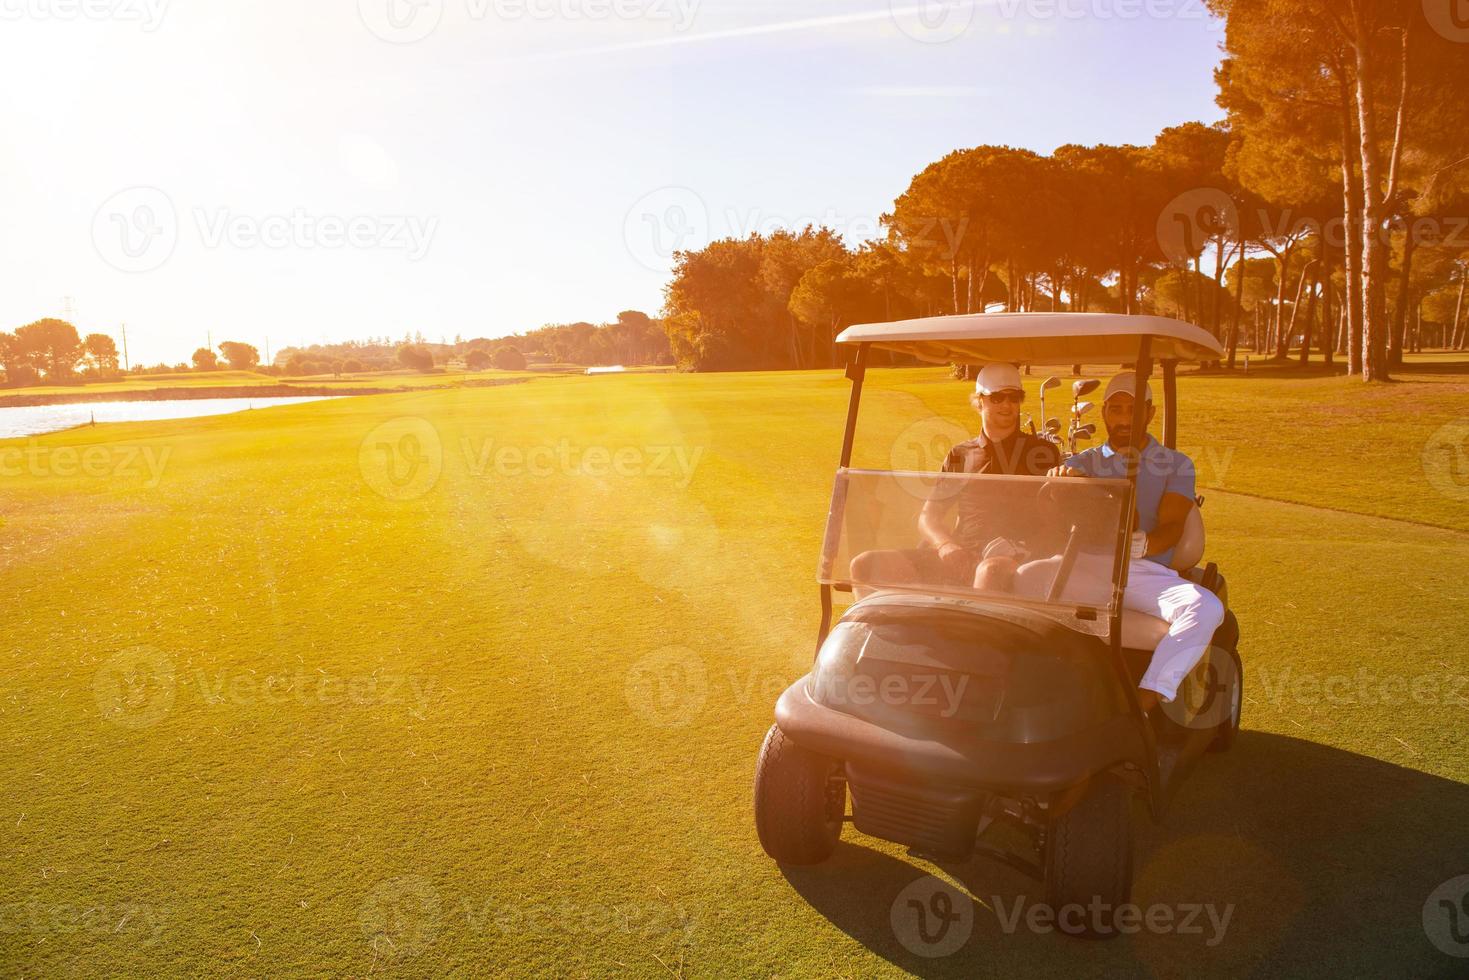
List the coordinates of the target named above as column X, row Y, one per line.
column 125, row 366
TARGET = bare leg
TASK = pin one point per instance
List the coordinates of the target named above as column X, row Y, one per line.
column 996, row 575
column 887, row 567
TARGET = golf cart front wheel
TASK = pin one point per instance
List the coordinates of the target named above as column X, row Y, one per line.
column 800, row 801
column 1088, row 860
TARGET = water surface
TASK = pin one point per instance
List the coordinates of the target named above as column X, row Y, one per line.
column 34, row 420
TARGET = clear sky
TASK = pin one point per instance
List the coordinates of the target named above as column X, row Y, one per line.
column 316, row 170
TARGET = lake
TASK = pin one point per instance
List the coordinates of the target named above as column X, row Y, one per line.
column 34, row 420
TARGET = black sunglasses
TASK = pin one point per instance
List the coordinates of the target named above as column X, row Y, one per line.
column 1006, row 397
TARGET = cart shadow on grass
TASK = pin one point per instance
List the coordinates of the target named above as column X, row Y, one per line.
column 1322, row 859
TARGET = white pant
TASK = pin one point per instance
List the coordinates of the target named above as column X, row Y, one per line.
column 1192, row 613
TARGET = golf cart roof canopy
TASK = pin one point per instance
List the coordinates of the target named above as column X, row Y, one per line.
column 1038, row 338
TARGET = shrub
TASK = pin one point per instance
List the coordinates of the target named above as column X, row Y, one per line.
column 416, row 356
column 509, row 359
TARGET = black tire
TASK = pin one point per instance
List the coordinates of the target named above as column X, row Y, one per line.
column 1088, row 860
column 800, row 800
column 1228, row 729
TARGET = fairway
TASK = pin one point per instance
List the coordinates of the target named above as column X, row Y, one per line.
column 471, row 680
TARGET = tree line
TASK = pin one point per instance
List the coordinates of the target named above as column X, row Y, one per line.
column 52, row 352
column 1328, row 212
column 52, row 349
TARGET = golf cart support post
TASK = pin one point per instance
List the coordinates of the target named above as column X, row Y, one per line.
column 1056, row 338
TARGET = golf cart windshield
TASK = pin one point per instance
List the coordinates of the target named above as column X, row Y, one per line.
column 1049, row 544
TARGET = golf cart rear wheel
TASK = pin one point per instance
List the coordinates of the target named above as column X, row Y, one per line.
column 1088, row 860
column 1229, row 728
column 800, row 800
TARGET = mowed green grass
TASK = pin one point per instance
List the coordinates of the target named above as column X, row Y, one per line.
column 274, row 702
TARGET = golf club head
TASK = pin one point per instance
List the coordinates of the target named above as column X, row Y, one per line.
column 1086, row 431
column 1082, row 408
column 1084, row 387
column 1049, row 383
column 1053, row 426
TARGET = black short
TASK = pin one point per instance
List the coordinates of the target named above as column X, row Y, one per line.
column 935, row 571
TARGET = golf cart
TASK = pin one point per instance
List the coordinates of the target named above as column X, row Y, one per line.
column 948, row 707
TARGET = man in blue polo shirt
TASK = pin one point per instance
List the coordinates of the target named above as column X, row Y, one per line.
column 1165, row 495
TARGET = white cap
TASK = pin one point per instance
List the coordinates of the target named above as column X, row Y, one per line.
column 1123, row 384
column 997, row 377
